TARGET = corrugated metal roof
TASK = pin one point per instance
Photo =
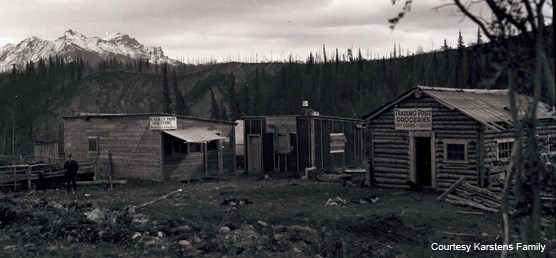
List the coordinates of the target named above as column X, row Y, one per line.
column 196, row 135
column 486, row 106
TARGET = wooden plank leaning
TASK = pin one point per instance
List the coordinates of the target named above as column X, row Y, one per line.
column 157, row 199
column 443, row 195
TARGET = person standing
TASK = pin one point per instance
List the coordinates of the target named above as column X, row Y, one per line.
column 71, row 168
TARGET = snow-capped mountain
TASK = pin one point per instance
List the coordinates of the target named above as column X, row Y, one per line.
column 74, row 44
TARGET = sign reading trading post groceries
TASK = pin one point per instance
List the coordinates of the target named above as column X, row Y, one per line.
column 163, row 122
column 413, row 119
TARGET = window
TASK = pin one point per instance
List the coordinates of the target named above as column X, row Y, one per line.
column 174, row 146
column 551, row 144
column 179, row 146
column 195, row 147
column 455, row 151
column 93, row 144
column 213, row 145
column 505, row 148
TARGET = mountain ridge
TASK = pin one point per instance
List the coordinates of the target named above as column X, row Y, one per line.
column 73, row 44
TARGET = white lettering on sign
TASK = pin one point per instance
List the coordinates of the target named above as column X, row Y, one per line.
column 163, row 122
column 413, row 119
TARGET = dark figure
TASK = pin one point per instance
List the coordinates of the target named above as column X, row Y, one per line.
column 71, row 168
column 41, row 182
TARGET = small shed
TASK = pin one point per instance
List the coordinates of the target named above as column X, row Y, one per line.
column 294, row 143
column 46, row 150
column 153, row 146
column 434, row 136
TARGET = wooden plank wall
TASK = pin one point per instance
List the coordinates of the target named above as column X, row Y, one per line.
column 300, row 158
column 391, row 150
column 323, row 128
column 189, row 167
column 119, row 136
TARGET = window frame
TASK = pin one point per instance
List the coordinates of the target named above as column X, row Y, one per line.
column 214, row 145
column 548, row 138
column 504, row 140
column 194, row 150
column 95, row 138
column 465, row 144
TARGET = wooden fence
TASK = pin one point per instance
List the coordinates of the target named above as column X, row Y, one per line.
column 16, row 175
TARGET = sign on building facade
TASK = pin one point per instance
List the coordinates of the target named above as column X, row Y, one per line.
column 337, row 142
column 163, row 122
column 413, row 119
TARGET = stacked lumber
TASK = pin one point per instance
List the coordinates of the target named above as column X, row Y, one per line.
column 463, row 193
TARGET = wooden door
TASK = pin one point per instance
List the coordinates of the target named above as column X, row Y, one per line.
column 254, row 154
column 423, row 163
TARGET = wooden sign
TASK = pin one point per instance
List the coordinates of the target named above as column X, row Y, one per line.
column 285, row 124
column 413, row 119
column 163, row 123
column 337, row 142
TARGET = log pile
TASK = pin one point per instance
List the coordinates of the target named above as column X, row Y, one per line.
column 463, row 193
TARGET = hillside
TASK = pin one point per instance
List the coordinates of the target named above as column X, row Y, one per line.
column 348, row 86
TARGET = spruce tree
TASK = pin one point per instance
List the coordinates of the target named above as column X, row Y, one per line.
column 223, row 111
column 461, row 43
column 479, row 37
column 214, row 108
column 445, row 46
column 257, row 97
column 180, row 106
column 165, row 89
column 235, row 109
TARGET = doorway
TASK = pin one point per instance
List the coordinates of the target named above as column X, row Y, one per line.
column 423, row 161
column 254, row 154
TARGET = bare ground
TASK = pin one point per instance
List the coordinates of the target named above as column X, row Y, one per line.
column 287, row 218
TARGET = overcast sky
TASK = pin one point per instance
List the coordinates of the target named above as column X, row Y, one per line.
column 189, row 29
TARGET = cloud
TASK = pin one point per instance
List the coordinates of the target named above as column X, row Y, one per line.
column 224, row 27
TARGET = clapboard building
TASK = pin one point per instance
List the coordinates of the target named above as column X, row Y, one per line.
column 294, row 143
column 152, row 145
column 434, row 136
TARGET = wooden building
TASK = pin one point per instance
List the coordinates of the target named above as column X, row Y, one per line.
column 434, row 136
column 46, row 150
column 294, row 143
column 153, row 145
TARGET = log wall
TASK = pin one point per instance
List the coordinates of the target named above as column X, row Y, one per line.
column 493, row 165
column 391, row 150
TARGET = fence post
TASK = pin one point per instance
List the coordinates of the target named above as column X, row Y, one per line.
column 95, row 170
column 29, row 185
column 15, row 177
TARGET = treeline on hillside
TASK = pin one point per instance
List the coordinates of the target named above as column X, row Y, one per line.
column 338, row 85
column 348, row 88
column 28, row 94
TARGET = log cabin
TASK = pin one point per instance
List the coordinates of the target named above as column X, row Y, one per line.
column 153, row 146
column 434, row 136
column 296, row 143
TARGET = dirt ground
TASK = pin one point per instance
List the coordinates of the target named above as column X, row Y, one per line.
column 271, row 217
